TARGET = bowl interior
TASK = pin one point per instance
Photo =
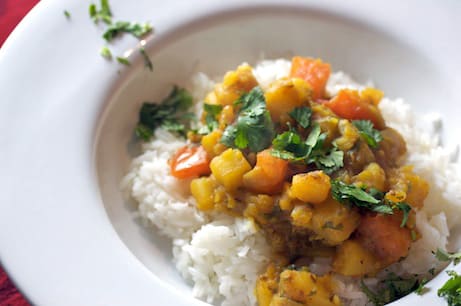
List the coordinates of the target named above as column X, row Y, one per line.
column 219, row 43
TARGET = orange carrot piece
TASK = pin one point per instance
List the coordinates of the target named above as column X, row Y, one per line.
column 383, row 235
column 268, row 175
column 190, row 162
column 314, row 71
column 347, row 104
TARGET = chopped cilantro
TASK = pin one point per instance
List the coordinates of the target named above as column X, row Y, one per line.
column 447, row 256
column 370, row 134
column 253, row 128
column 431, row 271
column 422, row 287
column 67, row 14
column 392, row 288
column 451, row 290
column 302, row 115
column 372, row 200
column 103, row 14
column 105, row 52
column 211, row 122
column 290, row 146
column 170, row 114
column 147, row 61
column 136, row 29
column 123, row 60
column 405, row 208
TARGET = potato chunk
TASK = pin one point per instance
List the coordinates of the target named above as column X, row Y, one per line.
column 333, row 222
column 229, row 168
column 372, row 176
column 202, row 190
column 284, row 95
column 307, row 288
column 352, row 259
column 312, row 187
column 211, row 143
column 235, row 84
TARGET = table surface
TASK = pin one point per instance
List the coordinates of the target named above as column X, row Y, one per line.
column 11, row 13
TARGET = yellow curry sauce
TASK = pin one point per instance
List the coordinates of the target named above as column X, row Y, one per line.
column 319, row 175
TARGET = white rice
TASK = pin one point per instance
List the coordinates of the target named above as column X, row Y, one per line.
column 223, row 257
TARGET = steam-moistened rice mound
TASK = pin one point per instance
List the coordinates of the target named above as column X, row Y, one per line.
column 234, row 253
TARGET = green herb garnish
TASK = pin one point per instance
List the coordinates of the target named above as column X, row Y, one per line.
column 105, row 52
column 67, row 14
column 170, row 114
column 147, row 61
column 136, row 29
column 451, row 290
column 103, row 14
column 211, row 122
column 370, row 134
column 392, row 288
column 123, row 60
column 253, row 128
column 372, row 200
column 302, row 115
column 447, row 256
column 290, row 146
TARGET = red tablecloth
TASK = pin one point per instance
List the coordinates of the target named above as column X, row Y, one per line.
column 11, row 12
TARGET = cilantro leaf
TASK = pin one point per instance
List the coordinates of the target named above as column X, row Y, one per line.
column 290, row 146
column 253, row 128
column 357, row 196
column 147, row 62
column 393, row 288
column 211, row 123
column 67, row 14
column 302, row 115
column 451, row 290
column 105, row 52
column 370, row 134
column 123, row 60
column 136, row 29
column 447, row 256
column 405, row 208
column 170, row 114
column 103, row 14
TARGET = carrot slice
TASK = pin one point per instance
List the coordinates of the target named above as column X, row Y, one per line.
column 190, row 162
column 268, row 175
column 313, row 71
column 347, row 104
column 383, row 235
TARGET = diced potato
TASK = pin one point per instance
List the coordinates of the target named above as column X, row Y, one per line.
column 283, row 301
column 407, row 186
column 266, row 286
column 307, row 288
column 258, row 206
column 235, row 84
column 202, row 190
column 372, row 176
column 312, row 187
column 286, row 201
column 284, row 95
column 268, row 174
column 371, row 95
column 301, row 216
column 349, row 135
column 352, row 259
column 212, row 143
column 229, row 168
column 226, row 117
column 332, row 222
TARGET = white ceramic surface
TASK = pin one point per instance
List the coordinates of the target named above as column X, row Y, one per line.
column 67, row 116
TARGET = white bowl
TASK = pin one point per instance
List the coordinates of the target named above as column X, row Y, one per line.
column 67, row 119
